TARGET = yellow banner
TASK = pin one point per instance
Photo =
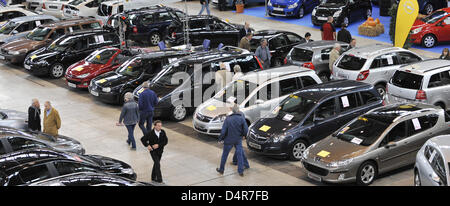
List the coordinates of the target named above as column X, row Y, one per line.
column 406, row 15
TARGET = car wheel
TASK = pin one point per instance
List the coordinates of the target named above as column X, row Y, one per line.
column 441, row 105
column 368, row 13
column 429, row 41
column 417, row 178
column 381, row 89
column 178, row 113
column 297, row 150
column 155, row 38
column 301, row 12
column 345, row 20
column 57, row 71
column 324, row 77
column 428, row 9
column 366, row 174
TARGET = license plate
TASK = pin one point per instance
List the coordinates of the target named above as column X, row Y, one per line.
column 322, row 18
column 314, row 177
column 72, row 85
column 278, row 9
column 94, row 93
column 2, row 57
column 256, row 146
column 27, row 66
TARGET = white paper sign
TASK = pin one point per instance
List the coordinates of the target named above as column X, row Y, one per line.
column 356, row 140
column 390, row 60
column 172, row 60
column 345, row 102
column 288, row 117
column 100, row 39
column 38, row 23
column 416, row 124
column 227, row 66
column 231, row 99
column 70, row 29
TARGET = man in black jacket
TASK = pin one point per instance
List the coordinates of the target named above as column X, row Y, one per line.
column 344, row 35
column 155, row 141
column 34, row 116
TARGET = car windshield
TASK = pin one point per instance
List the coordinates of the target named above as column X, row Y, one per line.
column 76, row 2
column 100, row 56
column 38, row 34
column 8, row 27
column 236, row 92
column 164, row 77
column 434, row 17
column 303, row 55
column 364, row 130
column 293, row 108
column 407, row 80
column 61, row 44
column 341, row 2
column 350, row 62
column 132, row 67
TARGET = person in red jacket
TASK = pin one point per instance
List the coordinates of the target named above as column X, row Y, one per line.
column 328, row 30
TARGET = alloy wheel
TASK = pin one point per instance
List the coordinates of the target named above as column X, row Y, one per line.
column 428, row 9
column 179, row 112
column 367, row 174
column 155, row 39
column 381, row 90
column 298, row 150
column 429, row 41
column 57, row 71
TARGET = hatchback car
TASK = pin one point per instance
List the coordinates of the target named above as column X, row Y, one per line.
column 343, row 11
column 12, row 12
column 54, row 7
column 90, row 179
column 432, row 29
column 81, row 8
column 433, row 162
column 373, row 64
column 16, row 51
column 379, row 141
column 66, row 50
column 296, row 8
column 14, row 119
column 19, row 27
column 178, row 99
column 108, row 9
column 314, row 55
column 256, row 95
column 203, row 27
column 427, row 82
column 310, row 115
column 279, row 42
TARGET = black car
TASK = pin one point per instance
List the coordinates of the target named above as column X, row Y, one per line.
column 90, row 179
column 310, row 115
column 279, row 42
column 29, row 166
column 147, row 24
column 197, row 84
column 112, row 86
column 203, row 27
column 66, row 50
column 343, row 11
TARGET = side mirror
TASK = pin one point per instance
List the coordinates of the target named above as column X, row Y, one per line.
column 390, row 144
column 259, row 101
column 15, row 32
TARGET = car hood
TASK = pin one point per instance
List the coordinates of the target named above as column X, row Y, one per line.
column 43, row 54
column 4, row 36
column 328, row 9
column 277, row 126
column 10, row 38
column 284, row 2
column 83, row 67
column 106, row 162
column 23, row 44
column 111, row 79
column 213, row 108
column 12, row 114
column 418, row 23
column 336, row 150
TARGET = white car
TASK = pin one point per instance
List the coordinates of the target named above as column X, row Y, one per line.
column 35, row 5
column 54, row 7
column 12, row 12
column 109, row 8
column 82, row 8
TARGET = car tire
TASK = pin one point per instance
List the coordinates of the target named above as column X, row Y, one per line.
column 57, row 71
column 366, row 173
column 178, row 113
column 301, row 12
column 155, row 38
column 417, row 181
column 429, row 41
column 297, row 149
column 381, row 89
column 428, row 9
column 441, row 105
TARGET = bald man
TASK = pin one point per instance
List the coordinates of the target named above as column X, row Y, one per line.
column 52, row 121
column 34, row 115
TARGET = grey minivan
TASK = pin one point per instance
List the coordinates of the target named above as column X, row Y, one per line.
column 21, row 26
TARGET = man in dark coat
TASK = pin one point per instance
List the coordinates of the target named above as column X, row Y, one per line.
column 34, row 116
column 147, row 102
column 344, row 35
column 245, row 30
column 155, row 141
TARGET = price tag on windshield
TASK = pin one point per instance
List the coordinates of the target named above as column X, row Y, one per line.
column 416, row 124
column 78, row 69
column 356, row 141
column 345, row 102
column 288, row 117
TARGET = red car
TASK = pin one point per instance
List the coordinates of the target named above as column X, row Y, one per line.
column 432, row 29
column 103, row 60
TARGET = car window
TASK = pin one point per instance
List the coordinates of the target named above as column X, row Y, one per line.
column 197, row 24
column 288, row 86
column 180, row 14
column 247, row 63
column 265, row 93
column 94, row 25
column 147, row 19
column 325, row 53
column 80, row 44
column 163, row 17
column 120, row 9
column 307, row 81
column 293, row 38
column 57, row 33
column 19, row 143
column 407, row 58
column 421, row 124
column 34, row 173
column 325, row 110
column 278, row 41
column 350, row 62
column 26, row 26
column 396, row 134
column 369, row 97
column 438, row 166
column 298, row 54
column 74, row 28
column 64, row 167
column 439, row 79
column 406, row 80
column 348, row 102
column 384, row 60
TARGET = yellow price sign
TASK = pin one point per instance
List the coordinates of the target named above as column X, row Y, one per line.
column 264, row 128
column 79, row 69
column 140, row 91
column 33, row 57
column 293, row 96
column 323, row 153
column 101, row 81
column 211, row 108
column 98, row 56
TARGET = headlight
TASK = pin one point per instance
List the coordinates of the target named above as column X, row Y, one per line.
column 306, row 152
column 340, row 163
column 279, row 138
column 106, row 89
column 415, row 31
column 313, row 13
column 128, row 171
column 220, row 118
column 269, row 3
column 84, row 76
column 14, row 52
column 293, row 6
column 337, row 13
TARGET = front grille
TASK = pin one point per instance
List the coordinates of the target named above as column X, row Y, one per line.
column 73, row 82
column 200, row 129
column 258, row 138
column 279, row 6
column 278, row 12
column 203, row 118
column 325, row 13
column 314, row 169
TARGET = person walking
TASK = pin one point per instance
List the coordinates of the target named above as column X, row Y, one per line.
column 334, row 55
column 129, row 117
column 155, row 141
column 245, row 41
column 222, row 5
column 147, row 102
column 52, row 121
column 205, row 4
column 352, row 44
column 328, row 31
column 233, row 130
column 34, row 115
column 263, row 54
column 445, row 54
column 245, row 30
column 344, row 35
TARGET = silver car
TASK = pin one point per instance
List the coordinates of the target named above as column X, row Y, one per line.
column 257, row 99
column 379, row 141
column 314, row 55
column 433, row 162
column 426, row 82
column 13, row 119
column 374, row 64
column 19, row 27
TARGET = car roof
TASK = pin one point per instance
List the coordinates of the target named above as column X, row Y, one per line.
column 428, row 65
column 258, row 77
column 70, row 22
column 212, row 56
column 110, row 3
column 200, row 17
column 332, row 88
column 318, row 44
column 163, row 53
column 268, row 33
column 394, row 112
column 149, row 9
column 370, row 50
column 32, row 18
column 89, row 32
column 16, row 9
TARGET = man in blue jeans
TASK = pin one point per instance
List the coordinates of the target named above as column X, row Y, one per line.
column 147, row 103
column 233, row 130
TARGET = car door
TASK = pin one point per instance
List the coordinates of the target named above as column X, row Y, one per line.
column 162, row 21
column 438, row 89
column 225, row 34
column 382, row 68
column 76, row 52
column 443, row 31
column 350, row 107
column 146, row 23
column 392, row 157
column 151, row 68
column 418, row 133
column 322, row 121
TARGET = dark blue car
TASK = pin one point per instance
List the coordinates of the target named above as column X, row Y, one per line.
column 296, row 8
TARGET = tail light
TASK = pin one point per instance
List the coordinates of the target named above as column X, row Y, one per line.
column 43, row 5
column 421, row 95
column 285, row 60
column 309, row 65
column 174, row 34
column 384, row 103
column 135, row 29
column 62, row 7
column 362, row 75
